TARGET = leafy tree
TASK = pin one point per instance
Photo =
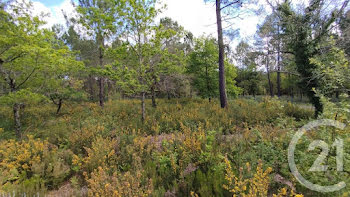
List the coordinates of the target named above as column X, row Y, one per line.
column 344, row 38
column 249, row 79
column 178, row 43
column 231, row 80
column 101, row 19
column 203, row 66
column 266, row 40
column 86, row 51
column 332, row 71
column 306, row 31
column 136, row 76
column 29, row 55
column 169, row 57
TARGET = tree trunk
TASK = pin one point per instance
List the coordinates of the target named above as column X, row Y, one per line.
column 278, row 80
column 143, row 110
column 17, row 119
column 279, row 63
column 59, row 106
column 290, row 88
column 101, row 80
column 207, row 80
column 153, row 92
column 101, row 94
column 168, row 93
column 268, row 76
column 222, row 88
column 16, row 110
column 91, row 81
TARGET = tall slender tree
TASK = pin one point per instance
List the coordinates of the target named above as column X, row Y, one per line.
column 101, row 20
column 137, row 75
column 231, row 9
column 222, row 85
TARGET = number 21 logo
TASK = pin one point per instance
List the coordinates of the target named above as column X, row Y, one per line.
column 318, row 164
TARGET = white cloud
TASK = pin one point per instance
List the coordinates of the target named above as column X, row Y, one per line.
column 200, row 18
column 66, row 7
column 55, row 15
column 193, row 15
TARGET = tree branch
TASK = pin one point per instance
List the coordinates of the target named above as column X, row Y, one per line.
column 237, row 1
column 25, row 80
column 14, row 58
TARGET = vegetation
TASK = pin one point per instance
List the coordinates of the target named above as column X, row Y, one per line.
column 180, row 148
column 121, row 102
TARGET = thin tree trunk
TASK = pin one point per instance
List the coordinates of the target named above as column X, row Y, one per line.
column 101, row 93
column 91, row 81
column 278, row 80
column 290, row 89
column 17, row 119
column 59, row 106
column 279, row 63
column 169, row 96
column 16, row 110
column 101, row 80
column 222, row 88
column 207, row 80
column 153, row 92
column 268, row 75
column 143, row 110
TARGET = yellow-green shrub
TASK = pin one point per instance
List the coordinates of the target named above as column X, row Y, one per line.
column 129, row 184
column 31, row 165
column 101, row 154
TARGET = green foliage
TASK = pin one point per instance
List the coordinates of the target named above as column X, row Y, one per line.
column 180, row 146
column 33, row 62
column 203, row 66
column 22, row 96
column 250, row 81
column 135, row 75
column 298, row 30
column 184, row 146
column 332, row 71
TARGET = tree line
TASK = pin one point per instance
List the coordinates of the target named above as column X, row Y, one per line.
column 117, row 49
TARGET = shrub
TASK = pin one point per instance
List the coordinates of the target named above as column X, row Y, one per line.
column 31, row 165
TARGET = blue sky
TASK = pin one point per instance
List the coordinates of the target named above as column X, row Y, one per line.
column 50, row 3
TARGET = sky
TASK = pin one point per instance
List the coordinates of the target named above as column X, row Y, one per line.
column 194, row 15
column 50, row 3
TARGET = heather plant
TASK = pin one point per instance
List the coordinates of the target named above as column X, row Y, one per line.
column 251, row 184
column 101, row 154
column 179, row 149
column 130, row 183
column 32, row 165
